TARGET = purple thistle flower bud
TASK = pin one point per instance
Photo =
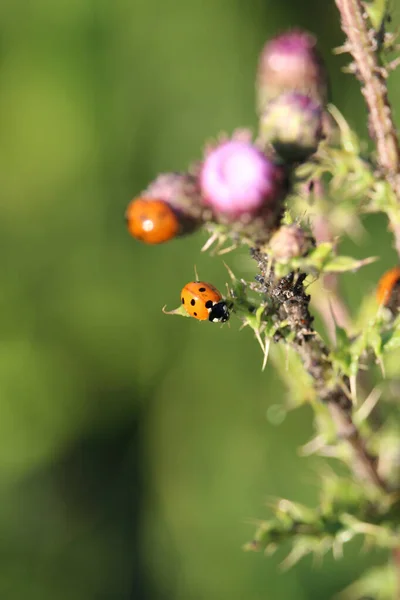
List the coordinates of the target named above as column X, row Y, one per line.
column 238, row 179
column 291, row 62
column 177, row 189
column 289, row 242
column 292, row 124
column 181, row 191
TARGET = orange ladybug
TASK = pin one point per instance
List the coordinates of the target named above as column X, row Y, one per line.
column 204, row 302
column 151, row 221
column 388, row 284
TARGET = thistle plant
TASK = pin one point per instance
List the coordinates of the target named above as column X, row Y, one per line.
column 286, row 195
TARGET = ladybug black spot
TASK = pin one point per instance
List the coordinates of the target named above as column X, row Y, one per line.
column 193, row 302
column 209, row 304
column 183, row 300
column 202, row 289
column 195, row 314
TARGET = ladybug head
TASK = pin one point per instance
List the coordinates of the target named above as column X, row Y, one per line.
column 219, row 312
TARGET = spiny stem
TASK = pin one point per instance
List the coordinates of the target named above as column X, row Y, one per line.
column 370, row 73
column 333, row 393
column 293, row 308
column 365, row 464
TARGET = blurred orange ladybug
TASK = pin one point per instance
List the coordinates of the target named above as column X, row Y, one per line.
column 151, row 221
column 204, row 302
column 388, row 291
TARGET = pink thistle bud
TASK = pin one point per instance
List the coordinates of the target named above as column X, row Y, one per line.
column 289, row 242
column 237, row 179
column 292, row 124
column 291, row 62
column 181, row 191
column 177, row 189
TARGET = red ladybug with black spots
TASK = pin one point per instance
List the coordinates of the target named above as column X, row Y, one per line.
column 204, row 302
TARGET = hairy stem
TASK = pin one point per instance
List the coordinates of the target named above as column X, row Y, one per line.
column 360, row 44
column 333, row 390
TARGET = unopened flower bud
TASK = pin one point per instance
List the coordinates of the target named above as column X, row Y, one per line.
column 238, row 179
column 180, row 191
column 292, row 124
column 291, row 62
column 290, row 241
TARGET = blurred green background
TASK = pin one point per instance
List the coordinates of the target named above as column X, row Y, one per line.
column 135, row 449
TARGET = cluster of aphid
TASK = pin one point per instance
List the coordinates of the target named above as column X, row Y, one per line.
column 239, row 190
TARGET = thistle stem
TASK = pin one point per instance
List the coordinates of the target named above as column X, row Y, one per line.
column 369, row 72
column 332, row 390
column 361, row 44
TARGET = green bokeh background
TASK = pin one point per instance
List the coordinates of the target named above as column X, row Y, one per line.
column 135, row 449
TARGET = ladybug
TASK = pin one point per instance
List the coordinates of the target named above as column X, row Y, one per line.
column 204, row 302
column 388, row 291
column 151, row 221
